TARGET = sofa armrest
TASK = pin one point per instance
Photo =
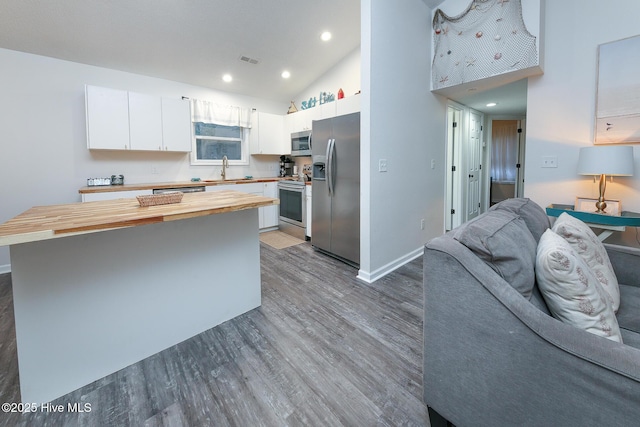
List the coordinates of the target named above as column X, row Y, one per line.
column 492, row 358
column 626, row 263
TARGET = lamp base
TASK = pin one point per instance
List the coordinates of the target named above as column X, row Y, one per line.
column 601, row 205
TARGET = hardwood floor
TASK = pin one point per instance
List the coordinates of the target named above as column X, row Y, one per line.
column 324, row 349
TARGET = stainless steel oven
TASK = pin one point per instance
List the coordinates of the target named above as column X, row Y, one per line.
column 293, row 212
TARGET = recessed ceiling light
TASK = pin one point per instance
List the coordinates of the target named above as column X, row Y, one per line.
column 492, row 104
column 285, row 74
column 227, row 78
column 326, row 36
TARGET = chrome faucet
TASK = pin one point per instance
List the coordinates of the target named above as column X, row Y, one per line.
column 225, row 164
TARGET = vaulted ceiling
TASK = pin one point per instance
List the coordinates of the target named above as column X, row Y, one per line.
column 195, row 41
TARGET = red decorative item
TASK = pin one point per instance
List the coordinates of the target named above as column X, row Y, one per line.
column 340, row 93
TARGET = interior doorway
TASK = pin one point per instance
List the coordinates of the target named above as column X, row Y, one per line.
column 507, row 159
column 506, row 102
column 465, row 141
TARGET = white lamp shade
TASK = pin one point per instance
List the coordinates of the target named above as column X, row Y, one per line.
column 606, row 159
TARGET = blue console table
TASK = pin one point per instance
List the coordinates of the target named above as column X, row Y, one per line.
column 607, row 223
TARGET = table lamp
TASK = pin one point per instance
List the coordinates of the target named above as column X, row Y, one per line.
column 605, row 160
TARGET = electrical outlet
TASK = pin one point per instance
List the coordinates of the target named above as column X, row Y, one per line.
column 433, row 165
column 550, row 162
column 422, row 224
column 382, row 165
column 154, row 169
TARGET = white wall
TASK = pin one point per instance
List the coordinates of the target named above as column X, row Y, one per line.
column 561, row 103
column 43, row 154
column 345, row 74
column 403, row 123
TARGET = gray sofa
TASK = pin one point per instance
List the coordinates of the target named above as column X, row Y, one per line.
column 494, row 356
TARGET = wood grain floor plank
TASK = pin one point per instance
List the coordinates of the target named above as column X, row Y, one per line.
column 324, row 349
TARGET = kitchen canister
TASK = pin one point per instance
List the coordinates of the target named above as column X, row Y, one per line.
column 117, row 179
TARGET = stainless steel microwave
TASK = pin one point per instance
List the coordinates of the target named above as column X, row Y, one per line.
column 301, row 143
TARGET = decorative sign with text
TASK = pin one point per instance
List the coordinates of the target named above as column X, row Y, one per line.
column 312, row 102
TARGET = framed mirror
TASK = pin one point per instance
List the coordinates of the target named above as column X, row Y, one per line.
column 618, row 92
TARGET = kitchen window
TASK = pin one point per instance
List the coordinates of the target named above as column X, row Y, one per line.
column 218, row 131
column 211, row 142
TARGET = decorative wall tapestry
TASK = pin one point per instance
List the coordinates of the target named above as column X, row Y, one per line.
column 487, row 39
column 618, row 98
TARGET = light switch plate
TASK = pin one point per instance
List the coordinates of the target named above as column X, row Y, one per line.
column 382, row 165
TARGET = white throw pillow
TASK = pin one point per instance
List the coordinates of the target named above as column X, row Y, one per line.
column 571, row 290
column 584, row 241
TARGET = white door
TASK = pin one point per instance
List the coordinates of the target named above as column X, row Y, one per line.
column 473, row 165
column 453, row 205
column 520, row 165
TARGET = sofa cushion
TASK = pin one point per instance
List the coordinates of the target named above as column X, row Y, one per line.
column 586, row 243
column 501, row 240
column 630, row 338
column 571, row 290
column 629, row 312
column 533, row 215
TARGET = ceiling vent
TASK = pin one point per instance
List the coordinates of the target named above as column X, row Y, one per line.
column 249, row 60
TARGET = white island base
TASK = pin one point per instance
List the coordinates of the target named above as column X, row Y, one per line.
column 89, row 305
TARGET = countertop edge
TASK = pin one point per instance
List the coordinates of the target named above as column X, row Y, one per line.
column 178, row 184
column 135, row 216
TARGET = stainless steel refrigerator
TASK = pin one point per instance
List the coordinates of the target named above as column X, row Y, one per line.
column 335, row 227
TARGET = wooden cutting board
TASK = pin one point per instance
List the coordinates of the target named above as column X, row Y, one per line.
column 49, row 222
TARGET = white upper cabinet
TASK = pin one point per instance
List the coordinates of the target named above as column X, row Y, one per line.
column 303, row 119
column 325, row 111
column 145, row 122
column 348, row 105
column 121, row 120
column 267, row 134
column 176, row 125
column 107, row 118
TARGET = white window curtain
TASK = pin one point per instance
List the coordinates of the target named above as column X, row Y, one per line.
column 226, row 115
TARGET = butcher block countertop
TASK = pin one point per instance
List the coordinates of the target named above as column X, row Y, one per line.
column 54, row 221
column 152, row 186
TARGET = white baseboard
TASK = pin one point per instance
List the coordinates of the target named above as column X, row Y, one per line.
column 371, row 277
column 5, row 268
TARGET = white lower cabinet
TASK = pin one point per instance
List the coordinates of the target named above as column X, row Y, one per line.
column 112, row 195
column 271, row 213
column 268, row 215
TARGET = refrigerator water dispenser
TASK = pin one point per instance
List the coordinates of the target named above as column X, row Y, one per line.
column 319, row 168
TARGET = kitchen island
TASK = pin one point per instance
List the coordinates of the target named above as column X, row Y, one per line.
column 98, row 286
